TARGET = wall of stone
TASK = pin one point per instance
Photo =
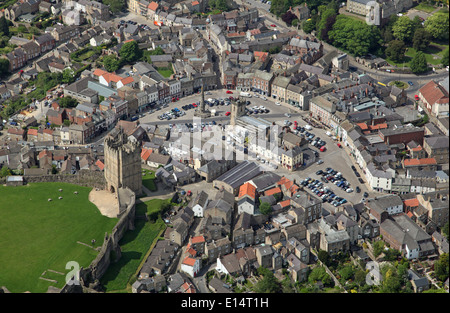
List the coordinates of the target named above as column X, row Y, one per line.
column 110, row 246
column 94, row 179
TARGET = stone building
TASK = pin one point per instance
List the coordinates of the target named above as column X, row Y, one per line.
column 122, row 162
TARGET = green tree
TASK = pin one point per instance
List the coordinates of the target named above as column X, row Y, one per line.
column 130, row 51
column 265, row 208
column 324, row 257
column 309, row 25
column 441, row 267
column 111, row 63
column 354, row 36
column 324, row 25
column 5, row 171
column 4, row 27
column 421, row 39
column 68, row 76
column 445, row 62
column 360, row 277
column 396, row 50
column 419, row 63
column 378, row 247
column 115, row 5
column 347, row 272
column 68, row 102
column 4, row 67
column 268, row 284
column 437, row 25
column 320, row 274
column 403, row 29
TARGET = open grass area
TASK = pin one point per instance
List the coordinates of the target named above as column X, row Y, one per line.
column 135, row 246
column 38, row 235
column 148, row 179
column 165, row 71
column 425, row 7
column 433, row 55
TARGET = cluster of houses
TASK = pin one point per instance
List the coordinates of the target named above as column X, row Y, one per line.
column 237, row 238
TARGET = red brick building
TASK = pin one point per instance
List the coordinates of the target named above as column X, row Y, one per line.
column 403, row 134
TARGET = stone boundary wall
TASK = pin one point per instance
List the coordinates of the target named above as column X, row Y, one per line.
column 94, row 179
column 90, row 276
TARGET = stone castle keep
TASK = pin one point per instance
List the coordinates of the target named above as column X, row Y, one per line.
column 122, row 162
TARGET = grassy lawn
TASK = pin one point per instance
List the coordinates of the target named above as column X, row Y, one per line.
column 148, row 179
column 38, row 235
column 434, row 49
column 135, row 247
column 399, row 84
column 165, row 71
column 425, row 7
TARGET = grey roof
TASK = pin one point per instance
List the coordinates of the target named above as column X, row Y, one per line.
column 239, row 174
column 265, row 180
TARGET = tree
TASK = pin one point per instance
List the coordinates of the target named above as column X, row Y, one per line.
column 68, row 76
column 437, row 25
column 323, row 25
column 419, row 63
column 403, row 29
column 288, row 17
column 111, row 63
column 346, row 272
column 441, row 267
column 4, row 27
column 320, row 274
column 130, row 51
column 5, row 171
column 310, row 24
column 355, row 36
column 269, row 283
column 396, row 50
column 324, row 257
column 68, row 102
column 378, row 247
column 265, row 208
column 115, row 5
column 445, row 63
column 4, row 67
column 421, row 39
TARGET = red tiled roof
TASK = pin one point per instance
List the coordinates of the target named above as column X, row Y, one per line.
column 434, row 93
column 32, row 132
column 189, row 261
column 100, row 165
column 411, row 202
column 197, row 239
column 153, row 6
column 145, row 153
column 195, row 2
column 424, row 161
column 272, row 191
column 285, row 203
column 99, row 72
column 127, row 80
column 247, row 189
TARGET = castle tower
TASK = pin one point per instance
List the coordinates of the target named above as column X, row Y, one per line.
column 122, row 162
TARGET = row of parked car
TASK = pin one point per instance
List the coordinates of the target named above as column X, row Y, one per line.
column 357, row 174
column 172, row 114
column 325, row 193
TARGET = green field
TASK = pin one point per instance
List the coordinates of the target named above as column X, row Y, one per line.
column 37, row 235
column 135, row 247
column 148, row 179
